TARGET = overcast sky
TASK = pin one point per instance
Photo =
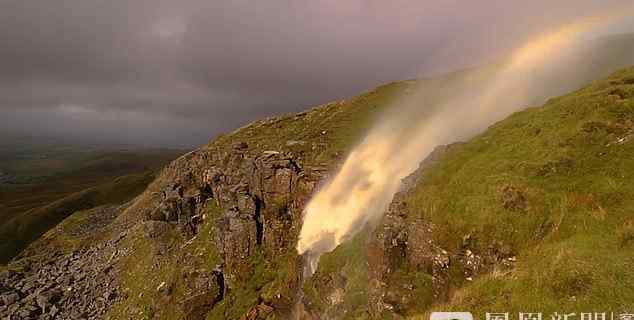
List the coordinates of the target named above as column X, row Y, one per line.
column 176, row 73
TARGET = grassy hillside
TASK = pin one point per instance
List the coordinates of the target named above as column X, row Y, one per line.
column 550, row 182
column 81, row 181
column 323, row 134
column 554, row 183
column 22, row 229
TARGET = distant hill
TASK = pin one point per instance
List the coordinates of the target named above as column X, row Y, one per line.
column 51, row 182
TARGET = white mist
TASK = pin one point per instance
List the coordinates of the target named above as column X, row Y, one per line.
column 372, row 173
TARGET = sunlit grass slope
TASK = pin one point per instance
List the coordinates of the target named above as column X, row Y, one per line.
column 570, row 215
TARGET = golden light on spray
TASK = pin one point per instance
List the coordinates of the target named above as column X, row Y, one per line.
column 371, row 175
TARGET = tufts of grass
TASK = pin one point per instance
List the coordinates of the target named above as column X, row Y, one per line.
column 554, row 183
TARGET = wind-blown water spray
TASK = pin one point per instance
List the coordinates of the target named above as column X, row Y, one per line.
column 372, row 173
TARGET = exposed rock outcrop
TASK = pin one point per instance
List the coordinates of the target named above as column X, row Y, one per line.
column 404, row 244
column 260, row 196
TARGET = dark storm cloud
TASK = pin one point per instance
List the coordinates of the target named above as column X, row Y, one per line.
column 177, row 72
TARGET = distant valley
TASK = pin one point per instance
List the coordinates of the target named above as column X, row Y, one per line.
column 34, row 175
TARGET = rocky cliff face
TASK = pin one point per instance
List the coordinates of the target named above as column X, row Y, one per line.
column 255, row 193
column 260, row 197
column 257, row 199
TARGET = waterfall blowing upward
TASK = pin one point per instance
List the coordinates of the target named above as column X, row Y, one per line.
column 372, row 172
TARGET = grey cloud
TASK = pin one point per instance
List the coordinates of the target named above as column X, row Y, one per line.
column 202, row 67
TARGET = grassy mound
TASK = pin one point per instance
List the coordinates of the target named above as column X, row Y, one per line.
column 554, row 183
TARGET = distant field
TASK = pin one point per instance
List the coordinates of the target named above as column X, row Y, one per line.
column 49, row 183
column 35, row 160
column 73, row 172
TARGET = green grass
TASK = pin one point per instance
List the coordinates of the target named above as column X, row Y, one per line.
column 154, row 261
column 554, row 183
column 143, row 271
column 321, row 135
